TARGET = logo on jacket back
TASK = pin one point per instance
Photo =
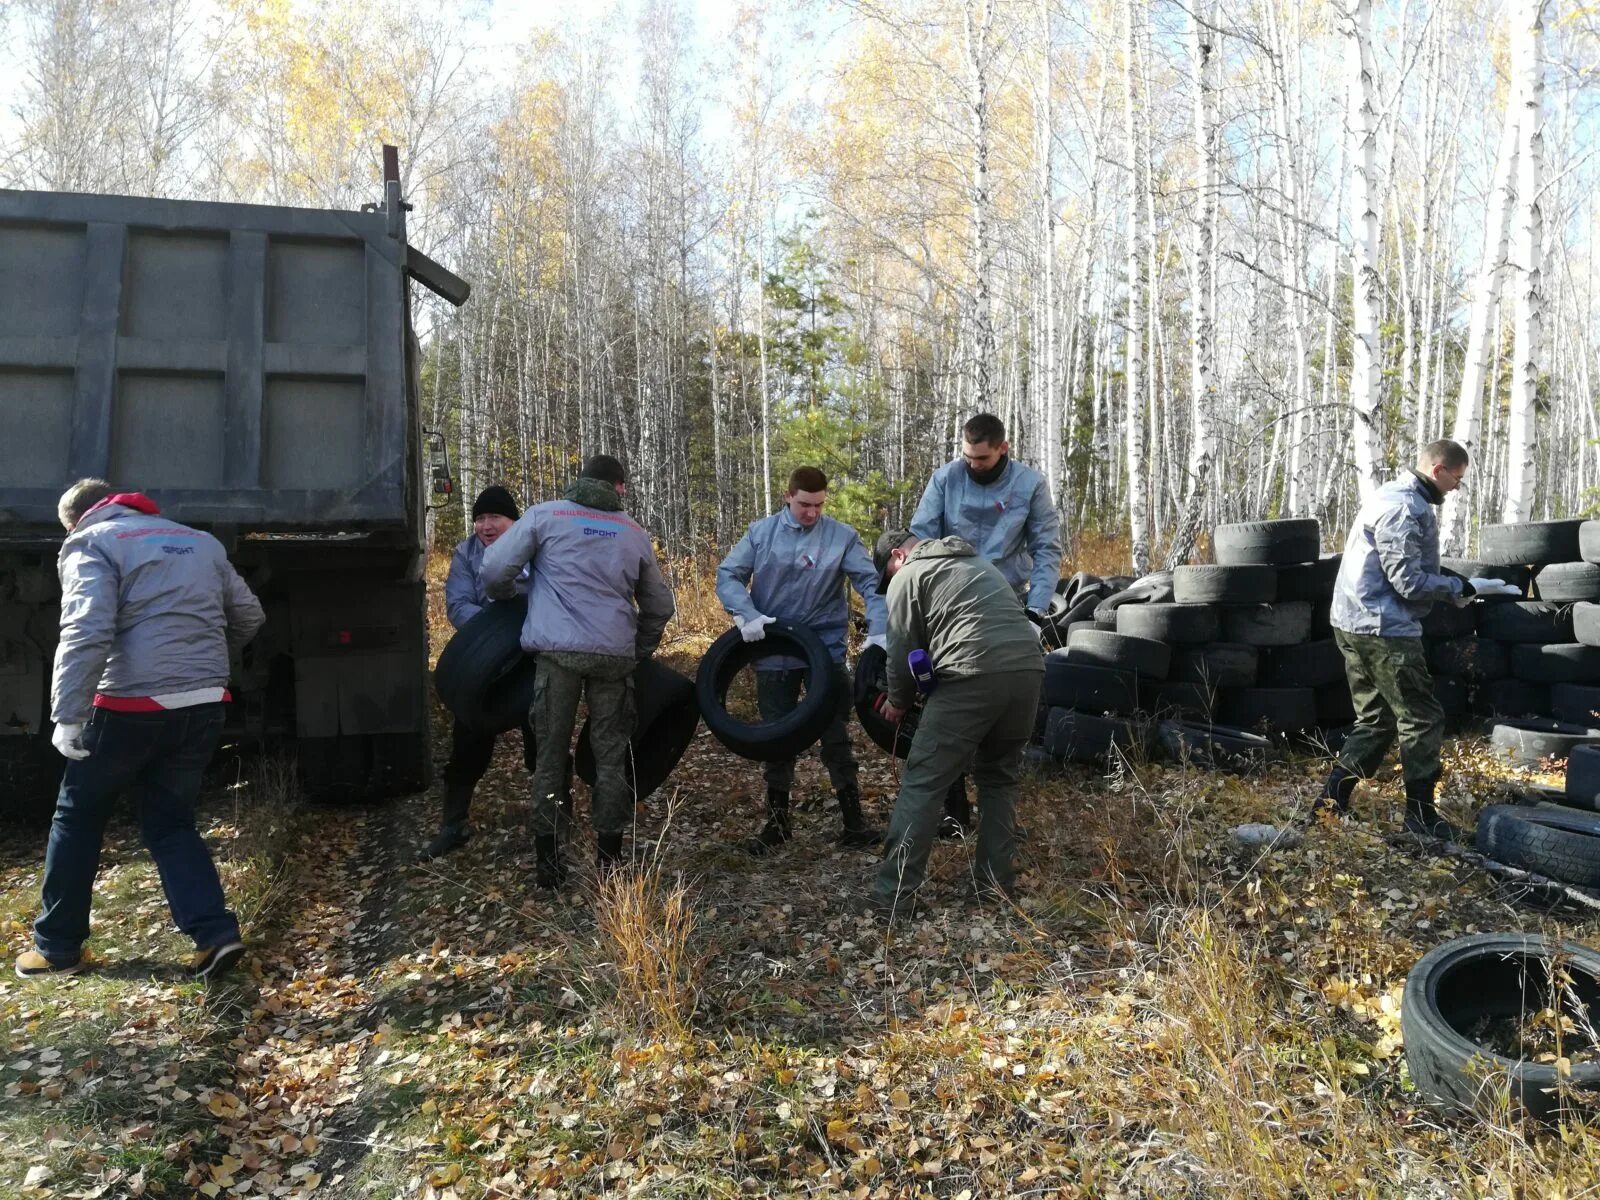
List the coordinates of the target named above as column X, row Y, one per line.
column 169, row 548
column 590, row 531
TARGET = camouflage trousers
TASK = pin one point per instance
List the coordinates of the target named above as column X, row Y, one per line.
column 564, row 679
column 1393, row 695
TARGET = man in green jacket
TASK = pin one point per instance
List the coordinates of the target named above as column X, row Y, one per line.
column 960, row 610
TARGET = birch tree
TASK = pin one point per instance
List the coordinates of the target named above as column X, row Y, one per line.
column 1528, row 352
column 1138, row 483
column 1364, row 279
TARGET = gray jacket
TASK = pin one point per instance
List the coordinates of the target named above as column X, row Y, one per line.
column 1012, row 522
column 1389, row 578
column 800, row 576
column 149, row 607
column 591, row 565
column 464, row 596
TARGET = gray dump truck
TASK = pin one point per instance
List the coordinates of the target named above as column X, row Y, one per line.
column 253, row 369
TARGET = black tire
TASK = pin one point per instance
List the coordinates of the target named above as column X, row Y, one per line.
column 1530, row 621
column 1213, row 747
column 767, row 741
column 1072, row 736
column 1310, row 581
column 1552, row 840
column 1476, row 658
column 1068, row 684
column 483, row 676
column 1224, row 585
column 1145, row 657
column 1451, row 693
column 1322, row 620
column 1155, row 588
column 1531, row 543
column 1271, row 543
column 1589, row 541
column 1567, row 582
column 871, row 682
column 1456, row 988
column 1564, row 662
column 1582, row 789
column 1586, row 624
column 1308, row 665
column 1176, row 624
column 1219, row 664
column 1334, row 705
column 1576, row 704
column 1185, row 699
column 1511, row 698
column 1077, row 625
column 1534, row 740
column 1284, row 624
column 667, row 717
column 1471, row 568
column 1273, row 709
column 1448, row 621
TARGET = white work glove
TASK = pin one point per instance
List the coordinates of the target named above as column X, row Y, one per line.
column 68, row 739
column 755, row 628
column 1494, row 587
column 880, row 640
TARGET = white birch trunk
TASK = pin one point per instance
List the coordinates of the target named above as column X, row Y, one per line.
column 1133, row 354
column 1364, row 363
column 1528, row 349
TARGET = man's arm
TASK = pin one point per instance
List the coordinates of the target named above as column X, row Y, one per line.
column 89, row 586
column 503, row 561
column 1043, row 532
column 461, row 588
column 858, row 567
column 906, row 633
column 928, row 521
column 241, row 607
column 733, row 579
column 1398, row 541
column 656, row 607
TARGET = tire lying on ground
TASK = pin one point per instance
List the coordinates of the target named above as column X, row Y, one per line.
column 1469, row 658
column 1582, row 787
column 1563, row 662
column 1146, row 657
column 1532, row 740
column 1283, row 624
column 483, row 676
column 667, row 717
column 871, row 683
column 1213, row 747
column 1069, row 684
column 1309, row 581
column 1271, row 543
column 1085, row 737
column 767, row 741
column 1512, row 698
column 1531, row 543
column 1178, row 624
column 1484, row 981
column 1274, row 709
column 1567, row 583
column 1224, row 585
column 1217, row 664
column 1575, row 703
column 1547, row 839
column 1307, row 665
column 1531, row 621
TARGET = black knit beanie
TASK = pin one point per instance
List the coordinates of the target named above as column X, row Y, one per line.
column 495, row 499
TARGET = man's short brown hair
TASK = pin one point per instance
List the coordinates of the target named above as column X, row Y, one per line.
column 80, row 498
column 1452, row 456
column 807, row 479
column 985, row 428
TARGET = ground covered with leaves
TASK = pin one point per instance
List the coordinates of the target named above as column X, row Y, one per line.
column 1159, row 1014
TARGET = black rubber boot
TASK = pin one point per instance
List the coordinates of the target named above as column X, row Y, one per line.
column 453, row 828
column 777, row 830
column 1336, row 792
column 856, row 831
column 957, row 820
column 1422, row 818
column 551, row 870
column 608, row 852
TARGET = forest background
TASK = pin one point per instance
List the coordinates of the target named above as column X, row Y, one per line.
column 1209, row 259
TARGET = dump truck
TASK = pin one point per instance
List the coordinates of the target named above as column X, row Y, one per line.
column 254, row 370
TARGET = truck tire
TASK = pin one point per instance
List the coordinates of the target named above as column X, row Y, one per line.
column 1187, row 699
column 1589, row 541
column 1310, row 581
column 483, row 675
column 1321, row 620
column 1176, row 624
column 1567, row 582
column 1547, row 839
column 1531, row 621
column 1447, row 621
column 871, row 683
column 1224, row 585
column 1270, row 543
column 1274, row 709
column 1147, row 658
column 1456, row 987
column 1477, row 658
column 1582, row 788
column 667, row 717
column 1213, row 747
column 1564, row 662
column 1530, row 543
column 1283, row 624
column 1471, row 568
column 1217, row 664
column 1068, row 684
column 1307, row 665
column 1072, row 736
column 1512, row 698
column 1575, row 703
column 1533, row 740
column 789, row 735
column 1586, row 623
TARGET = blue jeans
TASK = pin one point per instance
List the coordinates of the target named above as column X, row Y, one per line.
column 159, row 757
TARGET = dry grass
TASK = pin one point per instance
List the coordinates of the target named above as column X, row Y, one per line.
column 647, row 921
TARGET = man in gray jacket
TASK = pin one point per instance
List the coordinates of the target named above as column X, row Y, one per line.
column 947, row 601
column 493, row 512
column 597, row 606
column 1389, row 579
column 801, row 561
column 150, row 610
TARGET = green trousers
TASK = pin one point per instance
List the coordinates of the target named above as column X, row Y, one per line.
column 1393, row 694
column 981, row 720
column 778, row 694
column 607, row 682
